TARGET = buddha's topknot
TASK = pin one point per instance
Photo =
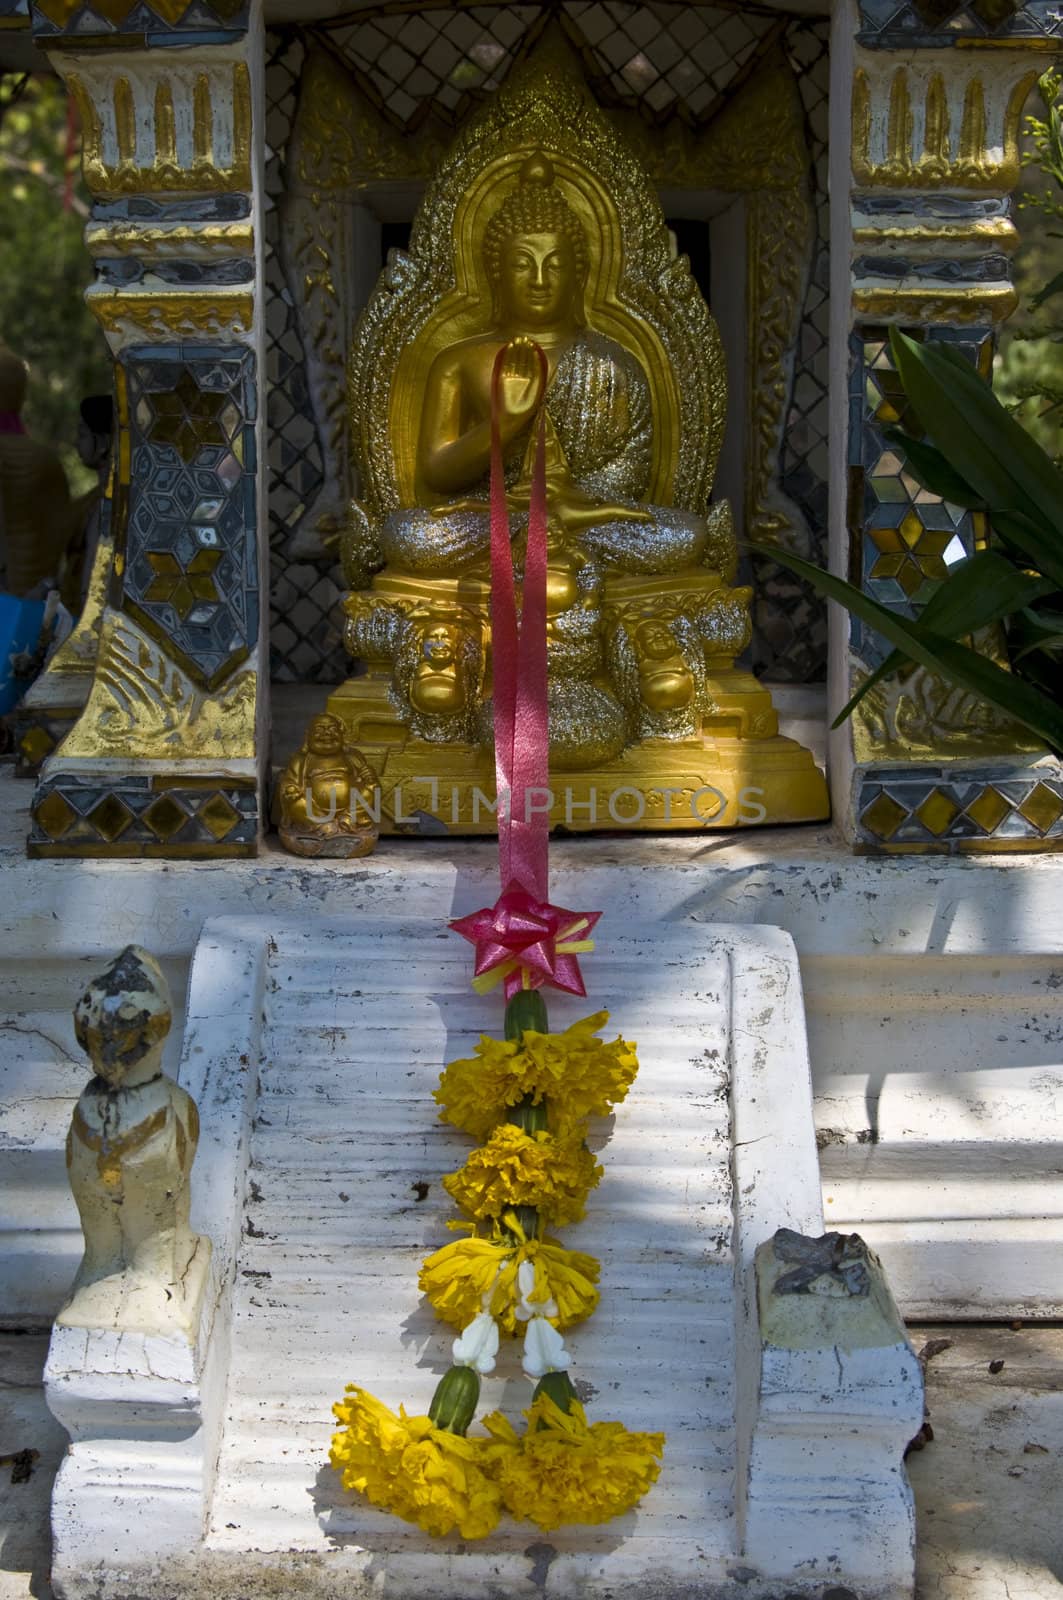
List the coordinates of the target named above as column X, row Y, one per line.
column 536, row 205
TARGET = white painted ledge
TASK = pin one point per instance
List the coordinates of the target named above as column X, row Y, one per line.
column 841, row 1395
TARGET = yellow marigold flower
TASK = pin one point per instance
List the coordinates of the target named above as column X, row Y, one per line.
column 458, row 1277
column 514, row 1168
column 579, row 1075
column 569, row 1470
column 420, row 1472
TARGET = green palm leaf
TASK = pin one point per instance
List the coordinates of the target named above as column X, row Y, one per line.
column 954, row 661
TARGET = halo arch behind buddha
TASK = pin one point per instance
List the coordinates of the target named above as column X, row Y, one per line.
column 637, row 292
column 644, row 692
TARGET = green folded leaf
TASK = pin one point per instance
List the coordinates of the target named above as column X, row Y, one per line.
column 983, row 443
column 983, row 589
column 931, row 469
column 953, row 661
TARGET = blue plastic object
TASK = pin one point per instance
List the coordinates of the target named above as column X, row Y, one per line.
column 20, row 627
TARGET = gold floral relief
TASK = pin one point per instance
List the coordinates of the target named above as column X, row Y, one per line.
column 143, row 706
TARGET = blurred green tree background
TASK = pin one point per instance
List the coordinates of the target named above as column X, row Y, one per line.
column 1028, row 374
column 44, row 266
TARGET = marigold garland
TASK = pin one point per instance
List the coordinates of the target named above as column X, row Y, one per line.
column 470, row 1273
column 581, row 1076
column 569, row 1470
column 551, row 1172
column 422, row 1473
column 527, row 1099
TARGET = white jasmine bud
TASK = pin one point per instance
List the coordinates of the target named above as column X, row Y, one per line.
column 544, row 1349
column 527, row 1307
column 478, row 1344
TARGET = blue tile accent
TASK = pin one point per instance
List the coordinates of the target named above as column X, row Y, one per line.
column 213, row 208
column 191, row 566
column 887, row 25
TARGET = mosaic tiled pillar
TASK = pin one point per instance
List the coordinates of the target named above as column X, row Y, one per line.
column 165, row 759
column 931, row 157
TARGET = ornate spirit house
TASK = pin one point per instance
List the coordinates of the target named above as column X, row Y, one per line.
column 303, row 410
column 477, row 368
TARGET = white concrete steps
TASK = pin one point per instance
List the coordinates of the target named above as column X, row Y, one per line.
column 317, row 1177
column 346, row 1128
column 940, row 1114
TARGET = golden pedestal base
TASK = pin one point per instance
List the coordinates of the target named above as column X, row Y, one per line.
column 740, row 774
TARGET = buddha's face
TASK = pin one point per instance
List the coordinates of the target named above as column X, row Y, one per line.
column 539, row 280
column 325, row 736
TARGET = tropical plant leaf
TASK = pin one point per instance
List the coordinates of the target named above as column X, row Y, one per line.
column 954, row 661
column 1036, row 630
column 977, row 592
column 931, row 469
column 1043, row 551
column 1053, row 287
column 982, row 441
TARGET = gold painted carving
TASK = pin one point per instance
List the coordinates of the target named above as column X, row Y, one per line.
column 160, row 314
column 77, row 653
column 969, row 135
column 927, row 236
column 755, row 147
column 63, row 12
column 642, row 297
column 143, row 707
column 916, row 715
column 177, row 103
column 929, row 303
column 541, row 225
column 123, row 236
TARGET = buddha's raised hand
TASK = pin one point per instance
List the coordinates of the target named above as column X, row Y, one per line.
column 521, row 381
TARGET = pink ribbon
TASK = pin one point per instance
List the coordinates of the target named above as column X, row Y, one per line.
column 522, row 941
column 518, row 653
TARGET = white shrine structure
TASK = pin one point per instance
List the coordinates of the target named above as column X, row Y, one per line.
column 846, row 1027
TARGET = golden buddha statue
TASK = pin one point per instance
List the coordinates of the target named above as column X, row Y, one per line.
column 542, row 237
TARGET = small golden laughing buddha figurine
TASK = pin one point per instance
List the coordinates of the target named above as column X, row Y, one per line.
column 129, row 1157
column 325, row 793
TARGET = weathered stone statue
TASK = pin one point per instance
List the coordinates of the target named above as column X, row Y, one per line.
column 326, row 796
column 129, row 1156
column 541, row 237
column 36, row 517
